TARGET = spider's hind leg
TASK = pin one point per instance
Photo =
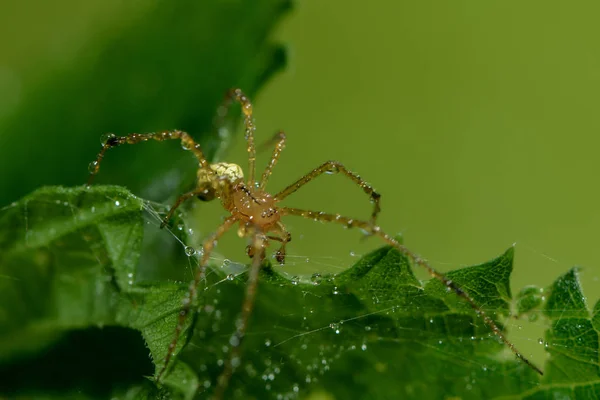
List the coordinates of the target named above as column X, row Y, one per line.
column 259, row 242
column 450, row 284
column 190, row 299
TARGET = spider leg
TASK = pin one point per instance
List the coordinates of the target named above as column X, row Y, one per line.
column 333, row 167
column 279, row 140
column 450, row 285
column 178, row 202
column 240, row 97
column 187, row 142
column 190, row 298
column 285, row 237
column 258, row 243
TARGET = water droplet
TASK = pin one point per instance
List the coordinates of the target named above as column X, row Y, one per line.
column 189, row 251
column 332, row 169
column 226, row 263
column 186, row 145
column 367, row 328
column 230, row 277
column 335, row 290
column 315, row 278
column 352, row 254
column 335, row 326
column 106, row 137
column 268, row 342
column 117, row 203
column 295, row 280
column 234, row 340
column 363, row 347
column 541, row 341
column 93, row 167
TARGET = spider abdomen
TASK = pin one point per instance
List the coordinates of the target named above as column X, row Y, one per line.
column 256, row 207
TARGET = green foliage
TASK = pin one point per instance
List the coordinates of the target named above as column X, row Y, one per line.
column 168, row 67
column 73, row 296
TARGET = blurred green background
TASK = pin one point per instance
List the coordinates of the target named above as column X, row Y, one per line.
column 476, row 121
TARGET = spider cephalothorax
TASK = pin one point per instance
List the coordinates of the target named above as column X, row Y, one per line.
column 259, row 218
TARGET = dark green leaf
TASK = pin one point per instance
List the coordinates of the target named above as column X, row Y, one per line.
column 167, row 67
column 375, row 331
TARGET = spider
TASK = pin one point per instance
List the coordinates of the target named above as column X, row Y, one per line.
column 259, row 214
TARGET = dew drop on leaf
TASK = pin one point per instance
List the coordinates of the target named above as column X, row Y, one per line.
column 335, row 326
column 316, row 278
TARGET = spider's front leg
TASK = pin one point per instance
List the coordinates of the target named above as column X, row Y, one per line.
column 187, row 142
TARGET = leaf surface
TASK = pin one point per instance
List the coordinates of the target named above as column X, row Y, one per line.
column 69, row 259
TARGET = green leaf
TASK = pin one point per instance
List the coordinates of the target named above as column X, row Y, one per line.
column 74, row 301
column 166, row 66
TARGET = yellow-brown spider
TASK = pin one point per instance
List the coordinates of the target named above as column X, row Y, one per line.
column 259, row 216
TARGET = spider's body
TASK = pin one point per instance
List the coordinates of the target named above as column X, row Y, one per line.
column 251, row 205
column 259, row 218
column 255, row 208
